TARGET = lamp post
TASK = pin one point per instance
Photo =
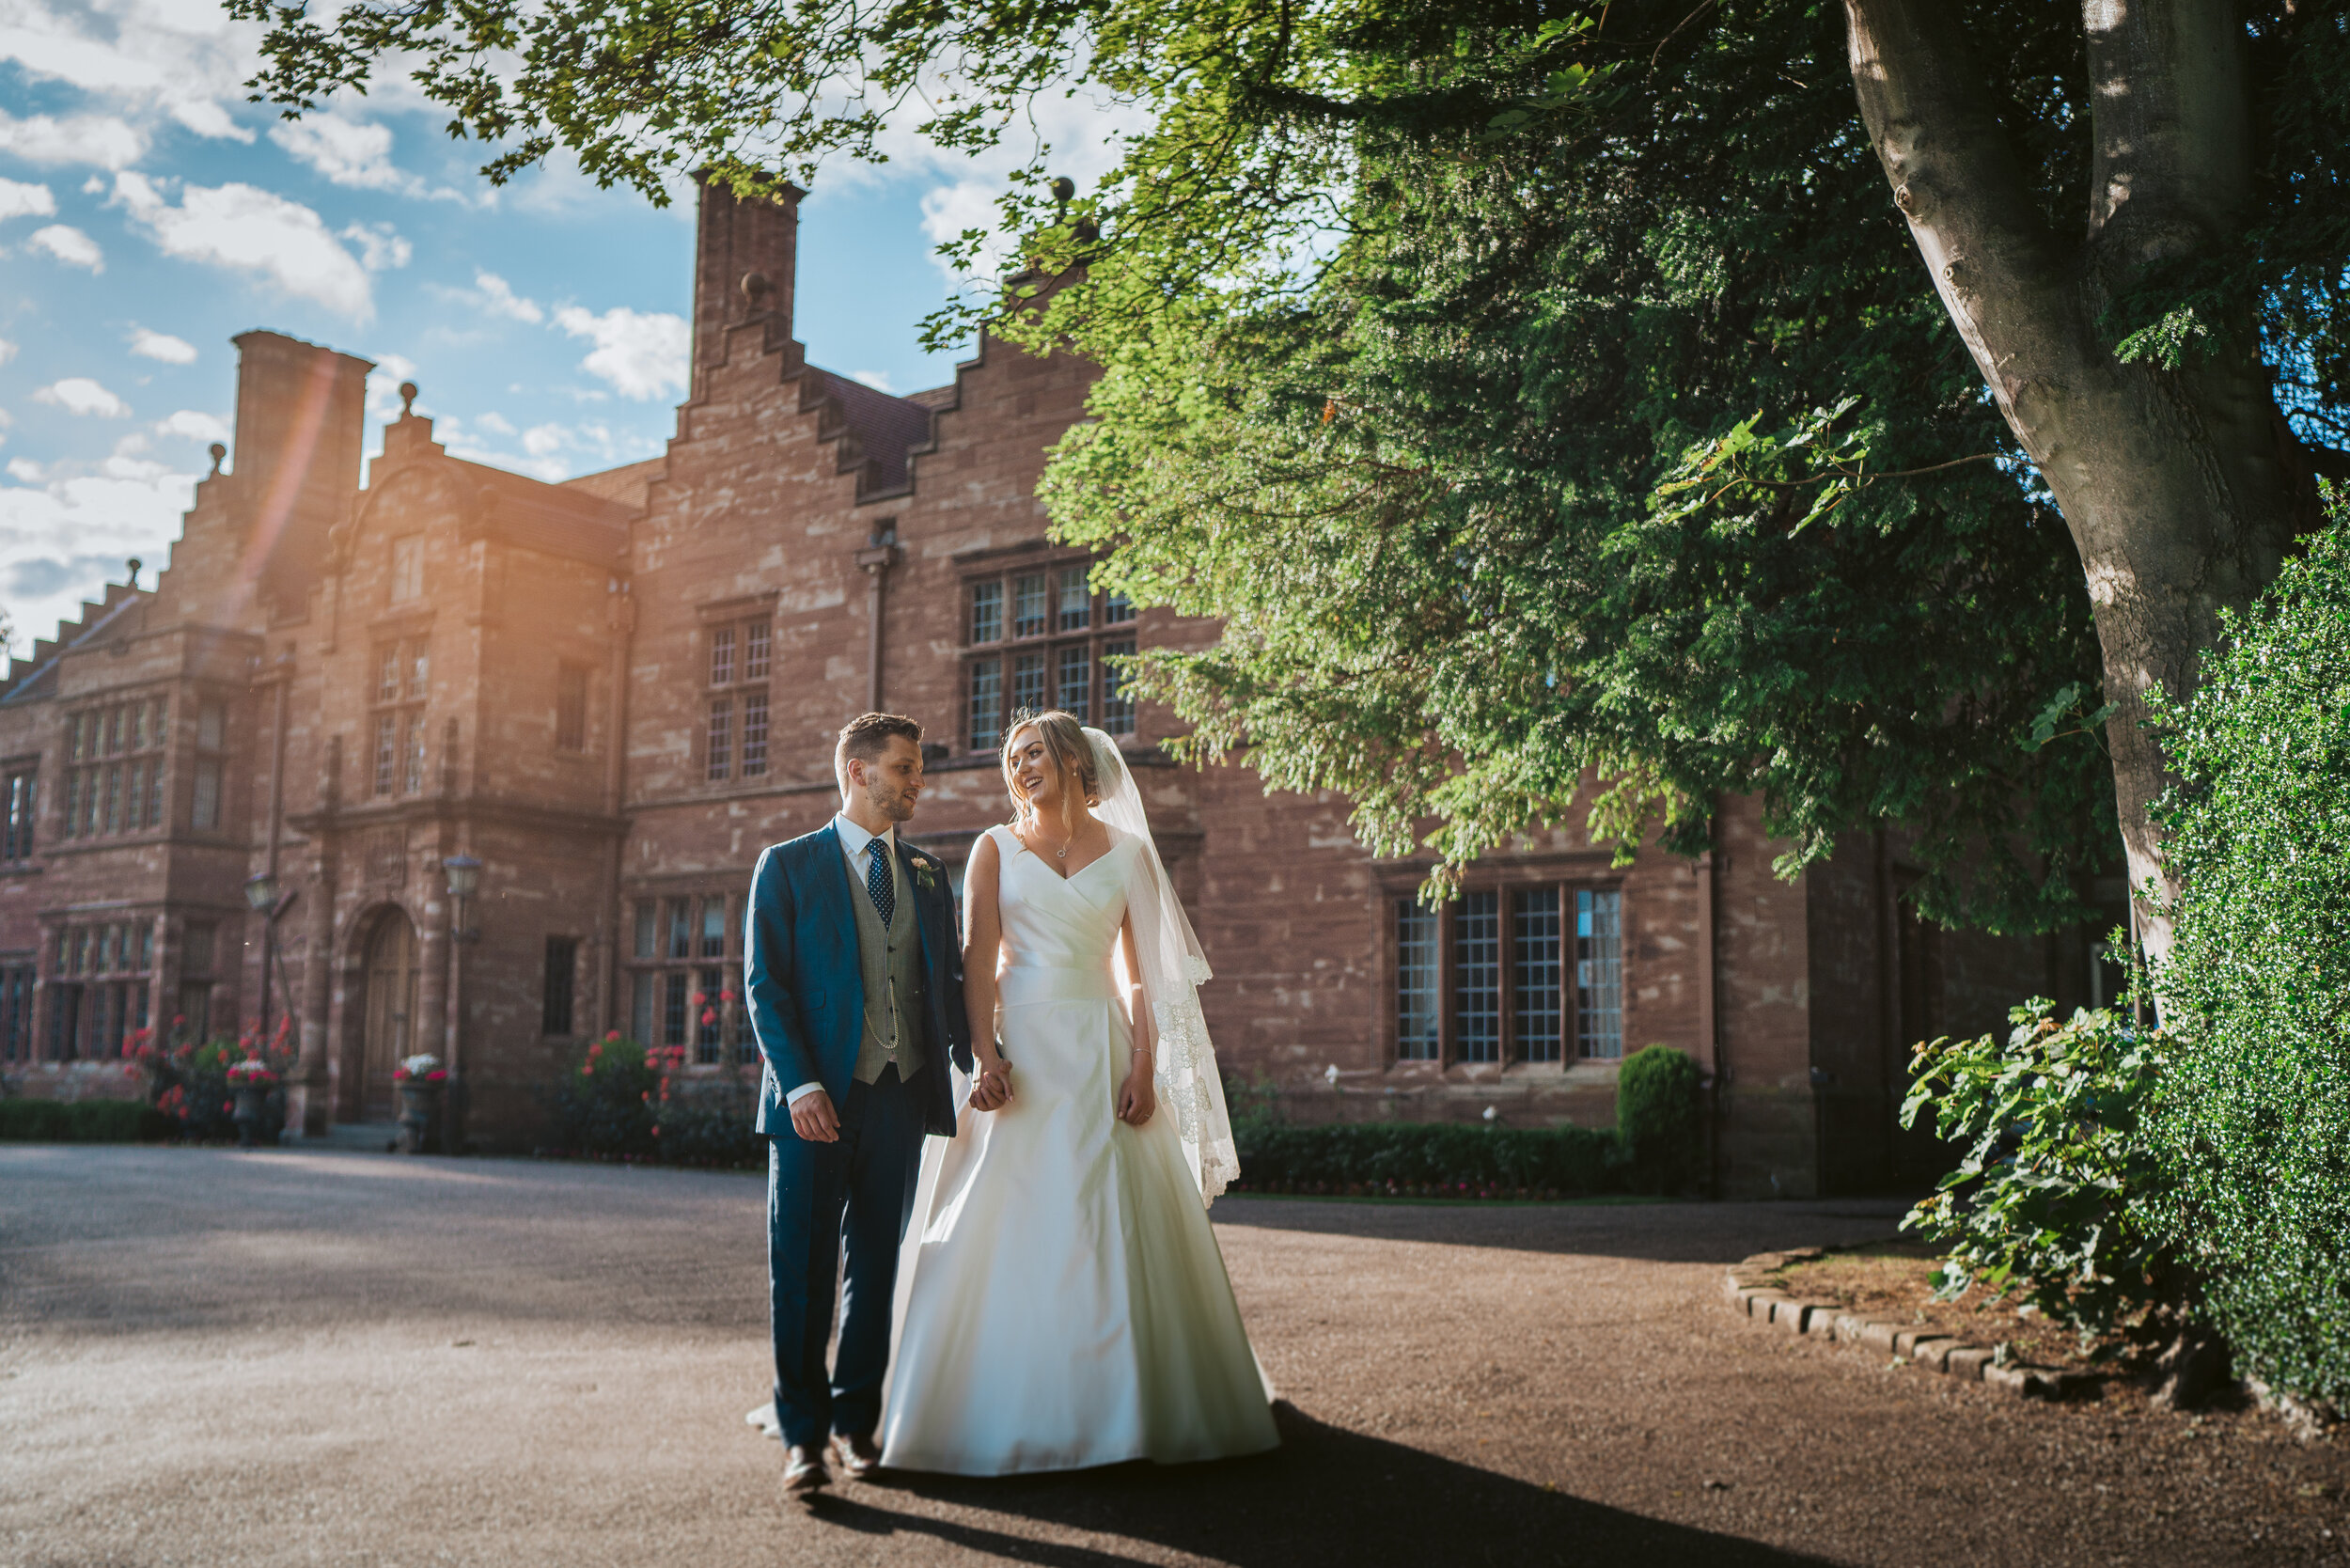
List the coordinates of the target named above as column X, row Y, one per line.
column 262, row 895
column 464, row 878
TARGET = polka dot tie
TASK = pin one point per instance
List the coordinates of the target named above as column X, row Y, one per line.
column 877, row 881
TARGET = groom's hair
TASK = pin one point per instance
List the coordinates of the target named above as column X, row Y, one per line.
column 866, row 736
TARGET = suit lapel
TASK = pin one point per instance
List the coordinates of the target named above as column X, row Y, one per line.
column 925, row 924
column 835, row 877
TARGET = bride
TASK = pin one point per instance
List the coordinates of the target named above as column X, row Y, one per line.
column 1061, row 1300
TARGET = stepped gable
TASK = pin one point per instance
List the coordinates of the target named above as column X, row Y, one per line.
column 877, row 431
column 552, row 519
column 31, row 679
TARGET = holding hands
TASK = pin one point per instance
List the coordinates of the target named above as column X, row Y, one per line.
column 991, row 1089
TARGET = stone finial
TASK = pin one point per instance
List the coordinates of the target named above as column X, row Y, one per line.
column 134, row 564
column 407, row 400
column 220, row 455
column 755, row 291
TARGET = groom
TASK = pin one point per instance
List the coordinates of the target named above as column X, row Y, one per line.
column 855, row 979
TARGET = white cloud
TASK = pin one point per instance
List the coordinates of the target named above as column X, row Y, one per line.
column 7, row 351
column 25, row 470
column 346, row 151
column 493, row 294
column 21, row 200
column 63, row 541
column 640, row 357
column 249, row 229
column 154, row 62
column 539, row 439
column 109, row 142
column 877, row 380
column 380, row 246
column 80, row 395
column 495, row 424
column 163, row 346
column 70, row 246
column 191, row 425
column 950, row 210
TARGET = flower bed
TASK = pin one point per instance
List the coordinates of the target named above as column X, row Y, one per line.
column 1896, row 1282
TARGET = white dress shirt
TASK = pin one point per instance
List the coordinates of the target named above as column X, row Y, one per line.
column 853, row 841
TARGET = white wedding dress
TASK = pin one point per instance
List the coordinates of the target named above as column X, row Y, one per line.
column 1061, row 1301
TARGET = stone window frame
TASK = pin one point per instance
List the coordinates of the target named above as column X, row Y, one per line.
column 400, row 688
column 670, row 999
column 20, row 810
column 558, row 988
column 1509, row 887
column 736, row 654
column 101, row 978
column 117, row 750
column 1018, row 605
column 19, row 972
column 573, row 685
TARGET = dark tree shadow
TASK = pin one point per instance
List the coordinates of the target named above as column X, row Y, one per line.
column 1326, row 1497
column 1676, row 1232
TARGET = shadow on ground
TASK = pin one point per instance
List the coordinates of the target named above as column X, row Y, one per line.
column 1674, row 1233
column 1328, row 1496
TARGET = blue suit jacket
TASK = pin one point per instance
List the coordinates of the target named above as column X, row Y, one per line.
column 806, row 993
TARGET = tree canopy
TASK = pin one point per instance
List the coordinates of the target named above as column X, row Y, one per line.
column 1542, row 392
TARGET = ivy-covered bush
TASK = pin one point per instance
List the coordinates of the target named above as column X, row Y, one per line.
column 1428, row 1160
column 1660, row 1117
column 2255, row 1129
column 2057, row 1194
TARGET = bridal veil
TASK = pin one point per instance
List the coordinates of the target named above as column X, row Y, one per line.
column 1173, row 968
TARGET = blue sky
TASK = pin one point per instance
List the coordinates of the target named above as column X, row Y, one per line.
column 147, row 215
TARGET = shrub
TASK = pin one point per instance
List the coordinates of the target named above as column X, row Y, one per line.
column 1427, row 1159
column 604, row 1105
column 189, row 1080
column 622, row 1100
column 1660, row 1117
column 84, row 1122
column 2255, row 1129
column 2058, row 1192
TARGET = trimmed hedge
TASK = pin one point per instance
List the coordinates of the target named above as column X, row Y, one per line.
column 1430, row 1159
column 85, row 1122
column 1661, row 1117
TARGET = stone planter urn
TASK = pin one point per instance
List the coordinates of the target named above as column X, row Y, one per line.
column 419, row 1114
column 252, row 1106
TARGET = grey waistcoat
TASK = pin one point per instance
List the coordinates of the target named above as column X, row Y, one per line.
column 888, row 961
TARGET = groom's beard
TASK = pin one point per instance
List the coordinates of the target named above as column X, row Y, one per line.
column 896, row 805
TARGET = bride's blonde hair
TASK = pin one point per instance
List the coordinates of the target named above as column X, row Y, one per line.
column 1065, row 740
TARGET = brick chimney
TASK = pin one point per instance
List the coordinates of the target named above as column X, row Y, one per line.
column 301, row 411
column 734, row 239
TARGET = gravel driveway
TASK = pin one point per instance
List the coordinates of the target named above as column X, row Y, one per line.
column 296, row 1358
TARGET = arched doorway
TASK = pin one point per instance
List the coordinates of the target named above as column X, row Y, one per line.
column 388, row 1027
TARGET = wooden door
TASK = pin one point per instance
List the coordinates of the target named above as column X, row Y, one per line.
column 391, row 992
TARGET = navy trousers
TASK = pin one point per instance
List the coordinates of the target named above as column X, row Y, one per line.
column 857, row 1192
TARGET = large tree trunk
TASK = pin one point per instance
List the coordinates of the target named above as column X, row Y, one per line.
column 2181, row 489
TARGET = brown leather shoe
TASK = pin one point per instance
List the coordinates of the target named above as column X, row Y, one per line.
column 804, row 1473
column 858, row 1456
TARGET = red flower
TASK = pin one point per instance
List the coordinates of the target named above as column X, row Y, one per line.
column 178, row 1019
column 709, row 1016
column 613, row 1035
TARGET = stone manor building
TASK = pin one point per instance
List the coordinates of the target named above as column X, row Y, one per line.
column 612, row 691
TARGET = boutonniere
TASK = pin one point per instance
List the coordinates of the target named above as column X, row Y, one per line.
column 926, row 873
